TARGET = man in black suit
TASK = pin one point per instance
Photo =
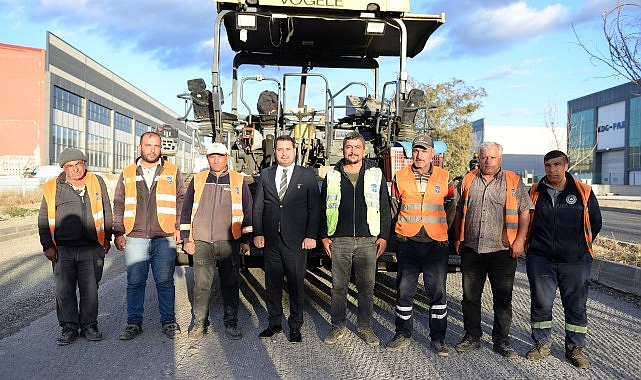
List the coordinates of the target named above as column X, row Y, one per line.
column 286, row 216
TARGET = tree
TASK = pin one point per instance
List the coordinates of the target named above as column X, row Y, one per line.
column 622, row 31
column 446, row 117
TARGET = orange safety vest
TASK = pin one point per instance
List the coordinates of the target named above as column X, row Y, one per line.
column 511, row 210
column 94, row 192
column 166, row 188
column 584, row 190
column 236, row 187
column 418, row 211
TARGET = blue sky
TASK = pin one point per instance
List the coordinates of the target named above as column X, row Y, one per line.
column 524, row 53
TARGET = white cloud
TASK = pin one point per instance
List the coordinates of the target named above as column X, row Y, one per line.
column 502, row 73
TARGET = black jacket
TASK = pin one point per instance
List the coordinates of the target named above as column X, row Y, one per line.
column 557, row 232
column 296, row 216
column 352, row 211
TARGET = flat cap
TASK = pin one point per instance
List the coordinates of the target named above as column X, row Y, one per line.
column 71, row 154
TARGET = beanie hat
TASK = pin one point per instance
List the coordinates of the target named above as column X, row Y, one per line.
column 71, row 154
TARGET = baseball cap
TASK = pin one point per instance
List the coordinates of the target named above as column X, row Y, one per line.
column 217, row 148
column 423, row 142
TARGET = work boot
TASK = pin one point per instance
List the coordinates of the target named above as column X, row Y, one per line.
column 67, row 335
column 91, row 333
column 171, row 329
column 539, row 351
column 197, row 331
column 398, row 342
column 468, row 344
column 233, row 332
column 130, row 332
column 367, row 334
column 577, row 357
column 504, row 349
column 335, row 334
column 440, row 348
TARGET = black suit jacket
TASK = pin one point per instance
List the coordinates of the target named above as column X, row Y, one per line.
column 297, row 215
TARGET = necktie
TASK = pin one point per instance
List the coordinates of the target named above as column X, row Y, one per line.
column 283, row 185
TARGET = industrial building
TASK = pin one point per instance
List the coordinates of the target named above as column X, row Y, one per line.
column 58, row 97
column 604, row 130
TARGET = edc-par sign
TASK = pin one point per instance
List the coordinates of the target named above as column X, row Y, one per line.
column 611, row 126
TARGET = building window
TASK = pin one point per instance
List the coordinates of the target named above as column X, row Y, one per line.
column 634, row 134
column 66, row 101
column 581, row 143
column 123, row 141
column 140, row 128
column 98, row 137
column 62, row 137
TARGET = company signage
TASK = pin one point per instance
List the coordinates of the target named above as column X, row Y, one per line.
column 611, row 126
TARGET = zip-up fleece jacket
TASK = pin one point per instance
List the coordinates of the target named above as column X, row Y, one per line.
column 75, row 225
column 557, row 232
column 352, row 212
column 146, row 224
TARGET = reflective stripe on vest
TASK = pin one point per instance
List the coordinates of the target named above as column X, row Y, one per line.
column 371, row 182
column 584, row 191
column 511, row 210
column 94, row 194
column 418, row 211
column 166, row 188
column 236, row 189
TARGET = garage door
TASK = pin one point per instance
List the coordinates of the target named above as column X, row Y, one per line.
column 612, row 168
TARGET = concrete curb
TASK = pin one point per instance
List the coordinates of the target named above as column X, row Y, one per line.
column 9, row 233
column 622, row 277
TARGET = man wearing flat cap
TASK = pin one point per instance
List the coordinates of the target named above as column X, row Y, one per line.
column 216, row 226
column 74, row 225
column 420, row 201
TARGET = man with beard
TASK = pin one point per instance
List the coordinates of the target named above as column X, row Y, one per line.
column 147, row 206
column 354, row 232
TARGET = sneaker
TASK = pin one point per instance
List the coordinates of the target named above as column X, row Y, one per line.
column 398, row 342
column 367, row 334
column 67, row 335
column 233, row 332
column 130, row 332
column 577, row 357
column 468, row 344
column 539, row 351
column 440, row 348
column 90, row 332
column 171, row 329
column 335, row 334
column 197, row 331
column 504, row 349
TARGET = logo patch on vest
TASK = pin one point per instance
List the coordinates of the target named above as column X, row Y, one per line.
column 170, row 179
column 570, row 199
column 514, row 192
column 437, row 188
column 237, row 190
column 374, row 188
column 97, row 196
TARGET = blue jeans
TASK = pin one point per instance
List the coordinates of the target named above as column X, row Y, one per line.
column 360, row 253
column 500, row 268
column 207, row 256
column 160, row 253
column 430, row 259
column 571, row 279
column 78, row 267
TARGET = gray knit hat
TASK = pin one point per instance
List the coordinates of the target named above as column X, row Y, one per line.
column 71, row 154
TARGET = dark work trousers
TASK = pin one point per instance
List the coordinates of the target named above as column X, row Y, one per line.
column 500, row 268
column 78, row 267
column 291, row 263
column 571, row 279
column 223, row 254
column 429, row 258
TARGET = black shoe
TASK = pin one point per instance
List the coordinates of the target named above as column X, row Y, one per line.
column 270, row 331
column 468, row 344
column 67, row 335
column 295, row 336
column 91, row 333
column 171, row 329
column 130, row 332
